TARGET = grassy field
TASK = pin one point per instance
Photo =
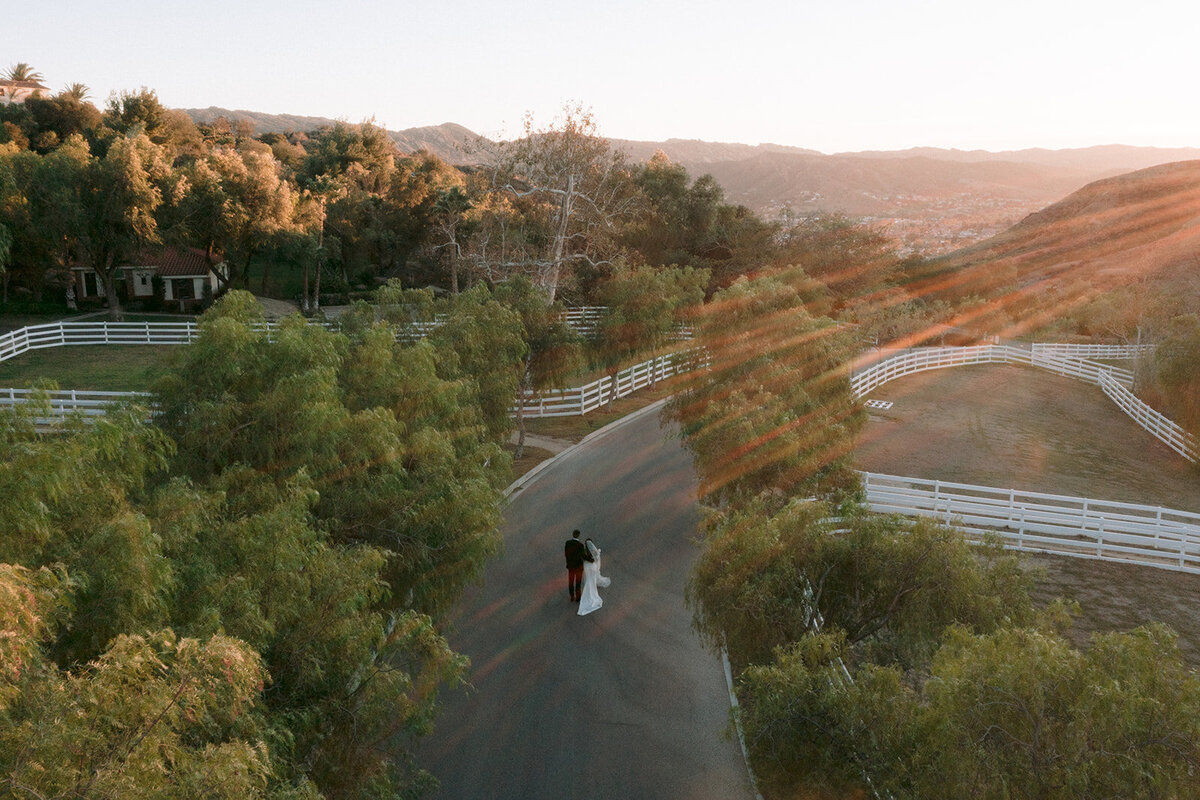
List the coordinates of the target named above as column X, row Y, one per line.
column 108, row 368
column 1014, row 427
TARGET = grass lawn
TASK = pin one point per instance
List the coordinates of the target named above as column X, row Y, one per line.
column 106, row 368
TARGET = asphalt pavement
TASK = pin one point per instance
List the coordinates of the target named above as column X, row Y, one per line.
column 622, row 703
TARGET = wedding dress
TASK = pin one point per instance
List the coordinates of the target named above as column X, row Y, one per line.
column 592, row 580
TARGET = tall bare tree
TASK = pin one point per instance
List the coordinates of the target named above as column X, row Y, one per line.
column 573, row 189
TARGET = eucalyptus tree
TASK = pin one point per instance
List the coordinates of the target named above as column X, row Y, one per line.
column 772, row 411
column 119, row 197
column 554, row 352
column 574, row 191
column 645, row 307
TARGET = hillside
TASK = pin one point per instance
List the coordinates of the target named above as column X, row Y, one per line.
column 1141, row 228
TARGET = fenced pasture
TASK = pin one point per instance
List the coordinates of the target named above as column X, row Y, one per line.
column 1115, row 381
column 1008, row 426
column 97, row 368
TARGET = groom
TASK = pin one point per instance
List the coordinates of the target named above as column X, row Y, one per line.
column 576, row 554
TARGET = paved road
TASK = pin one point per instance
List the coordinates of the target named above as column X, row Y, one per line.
column 623, row 703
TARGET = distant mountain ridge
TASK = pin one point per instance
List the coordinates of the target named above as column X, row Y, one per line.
column 931, row 199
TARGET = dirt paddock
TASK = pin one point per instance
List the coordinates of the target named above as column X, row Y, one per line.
column 1021, row 428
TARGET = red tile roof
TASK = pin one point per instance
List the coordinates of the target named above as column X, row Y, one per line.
column 175, row 263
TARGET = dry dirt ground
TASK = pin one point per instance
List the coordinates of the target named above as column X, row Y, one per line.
column 1016, row 427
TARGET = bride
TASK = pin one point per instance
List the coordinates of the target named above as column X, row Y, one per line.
column 592, row 579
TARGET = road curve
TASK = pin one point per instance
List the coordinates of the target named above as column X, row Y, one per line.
column 623, row 703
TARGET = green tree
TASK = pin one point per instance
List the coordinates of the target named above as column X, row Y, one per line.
column 773, row 410
column 60, row 117
column 553, row 350
column 854, row 260
column 645, row 307
column 378, row 495
column 487, row 339
column 119, row 197
column 238, row 202
column 128, row 113
column 1178, row 376
column 155, row 716
column 888, row 586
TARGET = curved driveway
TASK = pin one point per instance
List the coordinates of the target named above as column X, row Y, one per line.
column 623, row 703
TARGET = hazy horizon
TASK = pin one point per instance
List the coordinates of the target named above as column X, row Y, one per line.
column 866, row 75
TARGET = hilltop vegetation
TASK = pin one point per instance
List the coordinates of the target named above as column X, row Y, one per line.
column 931, row 199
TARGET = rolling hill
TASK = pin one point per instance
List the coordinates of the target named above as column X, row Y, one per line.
column 1139, row 230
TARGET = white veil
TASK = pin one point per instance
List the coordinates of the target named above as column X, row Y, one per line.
column 594, row 551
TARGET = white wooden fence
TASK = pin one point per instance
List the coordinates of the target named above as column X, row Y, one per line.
column 1160, row 427
column 1115, row 381
column 921, row 359
column 1047, row 523
column 584, row 399
column 584, row 321
column 68, row 402
column 555, row 403
column 65, row 334
column 1114, row 351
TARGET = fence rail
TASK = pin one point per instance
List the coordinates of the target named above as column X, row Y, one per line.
column 584, row 399
column 1113, row 351
column 585, row 321
column 1160, row 427
column 1048, row 523
column 557, row 403
column 62, row 404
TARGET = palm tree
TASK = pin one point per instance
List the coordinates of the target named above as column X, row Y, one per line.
column 23, row 72
column 76, row 91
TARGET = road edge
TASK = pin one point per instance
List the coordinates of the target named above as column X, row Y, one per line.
column 533, row 474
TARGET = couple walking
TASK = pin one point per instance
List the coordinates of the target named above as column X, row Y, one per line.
column 583, row 573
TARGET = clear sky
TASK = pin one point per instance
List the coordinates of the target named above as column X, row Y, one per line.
column 834, row 75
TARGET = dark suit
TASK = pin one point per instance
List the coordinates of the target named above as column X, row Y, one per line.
column 576, row 554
